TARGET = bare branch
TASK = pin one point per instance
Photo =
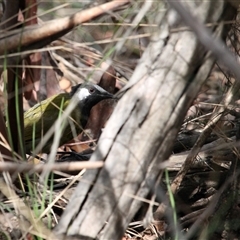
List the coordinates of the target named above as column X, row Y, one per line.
column 12, row 167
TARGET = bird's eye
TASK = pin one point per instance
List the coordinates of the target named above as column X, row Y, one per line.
column 91, row 90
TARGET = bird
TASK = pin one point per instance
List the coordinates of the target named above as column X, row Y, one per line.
column 101, row 112
column 40, row 118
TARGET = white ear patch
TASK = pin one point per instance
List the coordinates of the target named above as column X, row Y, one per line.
column 82, row 94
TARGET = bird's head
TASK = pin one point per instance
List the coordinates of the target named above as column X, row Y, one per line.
column 88, row 95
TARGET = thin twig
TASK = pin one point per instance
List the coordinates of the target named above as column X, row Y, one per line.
column 12, row 167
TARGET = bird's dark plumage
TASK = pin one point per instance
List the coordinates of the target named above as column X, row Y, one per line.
column 40, row 118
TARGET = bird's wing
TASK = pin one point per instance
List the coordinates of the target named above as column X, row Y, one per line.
column 39, row 119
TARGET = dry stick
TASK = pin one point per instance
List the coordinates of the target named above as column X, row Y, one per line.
column 49, row 30
column 12, row 167
column 217, row 47
column 8, row 31
column 198, row 145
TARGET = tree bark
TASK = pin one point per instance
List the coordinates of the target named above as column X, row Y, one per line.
column 140, row 133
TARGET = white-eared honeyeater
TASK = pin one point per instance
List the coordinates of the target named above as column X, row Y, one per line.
column 40, row 118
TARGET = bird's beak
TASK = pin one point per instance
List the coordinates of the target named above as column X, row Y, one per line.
column 106, row 95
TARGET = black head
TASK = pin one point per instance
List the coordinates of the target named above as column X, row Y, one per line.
column 89, row 95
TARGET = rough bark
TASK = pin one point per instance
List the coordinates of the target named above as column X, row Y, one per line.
column 140, row 133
